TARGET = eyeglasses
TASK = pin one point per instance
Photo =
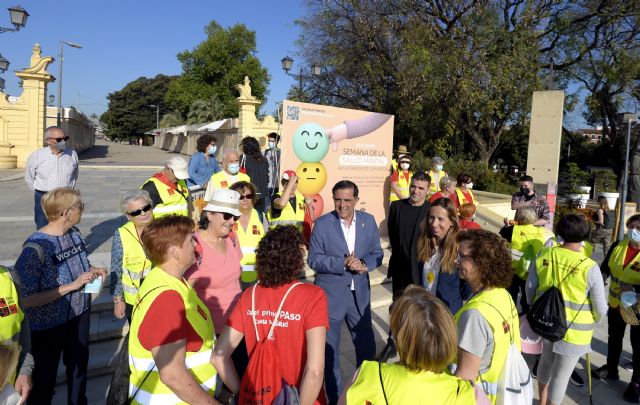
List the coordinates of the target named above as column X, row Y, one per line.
column 227, row 216
column 64, row 138
column 246, row 197
column 140, row 211
column 461, row 256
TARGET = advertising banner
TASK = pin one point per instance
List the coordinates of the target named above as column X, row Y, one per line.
column 324, row 145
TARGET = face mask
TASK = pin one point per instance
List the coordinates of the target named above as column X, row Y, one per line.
column 233, row 168
column 60, row 145
column 633, row 235
column 212, row 149
column 439, row 168
column 469, row 185
column 525, row 190
column 272, row 145
column 404, row 166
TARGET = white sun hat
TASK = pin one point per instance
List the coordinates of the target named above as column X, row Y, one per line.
column 224, row 200
column 179, row 167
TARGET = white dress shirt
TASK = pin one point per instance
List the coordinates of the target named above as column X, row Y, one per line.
column 349, row 232
column 46, row 170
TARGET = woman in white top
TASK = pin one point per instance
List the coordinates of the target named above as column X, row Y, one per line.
column 437, row 250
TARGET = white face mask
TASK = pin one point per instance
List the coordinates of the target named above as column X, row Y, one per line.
column 272, row 145
column 633, row 235
column 404, row 166
column 439, row 168
column 469, row 185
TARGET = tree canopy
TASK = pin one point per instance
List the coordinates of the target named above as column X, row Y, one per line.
column 130, row 113
column 214, row 67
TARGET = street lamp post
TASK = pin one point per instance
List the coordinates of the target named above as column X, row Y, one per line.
column 287, row 63
column 62, row 44
column 18, row 18
column 629, row 118
column 157, row 106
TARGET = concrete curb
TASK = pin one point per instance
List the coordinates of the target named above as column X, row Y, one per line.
column 118, row 167
column 16, row 176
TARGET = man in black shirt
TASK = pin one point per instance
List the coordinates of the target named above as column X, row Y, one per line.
column 404, row 224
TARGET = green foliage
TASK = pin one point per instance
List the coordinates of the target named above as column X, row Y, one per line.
column 215, row 66
column 129, row 113
column 205, row 110
column 172, row 119
column 574, row 177
column 484, row 178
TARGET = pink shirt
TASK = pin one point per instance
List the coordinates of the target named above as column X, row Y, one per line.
column 217, row 278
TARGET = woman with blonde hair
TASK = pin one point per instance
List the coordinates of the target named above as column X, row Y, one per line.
column 426, row 339
column 447, row 190
column 9, row 353
column 437, row 250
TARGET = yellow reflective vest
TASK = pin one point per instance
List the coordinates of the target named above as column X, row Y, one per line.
column 586, row 249
column 403, row 187
column 567, row 270
column 462, row 199
column 404, row 386
column 145, row 378
column 249, row 240
column 174, row 201
column 220, row 179
column 526, row 240
column 434, row 187
column 498, row 309
column 135, row 265
column 11, row 314
column 287, row 215
column 626, row 277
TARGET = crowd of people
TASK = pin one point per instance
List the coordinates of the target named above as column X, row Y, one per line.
column 218, row 314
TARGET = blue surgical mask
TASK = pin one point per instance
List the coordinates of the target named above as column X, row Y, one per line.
column 233, row 168
column 61, row 145
column 439, row 168
column 212, row 149
column 272, row 145
column 633, row 235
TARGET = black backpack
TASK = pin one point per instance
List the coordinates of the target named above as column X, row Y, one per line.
column 547, row 316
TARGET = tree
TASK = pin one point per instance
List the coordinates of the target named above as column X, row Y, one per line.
column 215, row 66
column 129, row 113
column 172, row 119
column 205, row 110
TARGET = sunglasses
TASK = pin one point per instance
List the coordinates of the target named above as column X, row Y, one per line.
column 228, row 216
column 140, row 211
column 64, row 138
column 246, row 197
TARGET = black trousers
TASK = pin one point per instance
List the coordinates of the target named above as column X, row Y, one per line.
column 518, row 286
column 71, row 339
column 617, row 327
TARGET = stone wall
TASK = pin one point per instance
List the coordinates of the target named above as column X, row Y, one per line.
column 81, row 132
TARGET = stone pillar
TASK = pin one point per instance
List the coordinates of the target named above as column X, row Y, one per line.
column 247, row 109
column 543, row 160
column 22, row 123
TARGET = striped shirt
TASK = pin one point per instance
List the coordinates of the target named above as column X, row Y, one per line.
column 45, row 170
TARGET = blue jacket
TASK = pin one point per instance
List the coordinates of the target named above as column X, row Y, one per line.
column 452, row 290
column 327, row 250
column 200, row 170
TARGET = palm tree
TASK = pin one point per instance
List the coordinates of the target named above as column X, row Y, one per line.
column 171, row 119
column 205, row 110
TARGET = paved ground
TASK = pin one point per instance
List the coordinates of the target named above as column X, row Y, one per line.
column 109, row 169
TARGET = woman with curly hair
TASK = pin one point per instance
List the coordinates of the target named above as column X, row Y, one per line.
column 437, row 255
column 488, row 323
column 256, row 167
column 301, row 330
column 203, row 163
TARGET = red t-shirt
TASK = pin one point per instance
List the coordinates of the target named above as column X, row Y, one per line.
column 467, row 224
column 305, row 308
column 631, row 253
column 439, row 194
column 395, row 176
column 166, row 322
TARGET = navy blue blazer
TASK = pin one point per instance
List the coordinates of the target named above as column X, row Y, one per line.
column 452, row 290
column 327, row 250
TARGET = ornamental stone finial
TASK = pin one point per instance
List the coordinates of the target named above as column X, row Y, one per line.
column 245, row 90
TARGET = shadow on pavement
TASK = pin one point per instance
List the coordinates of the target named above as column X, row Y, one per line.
column 98, row 151
column 102, row 232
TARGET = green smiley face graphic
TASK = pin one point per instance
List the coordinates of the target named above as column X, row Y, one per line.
column 310, row 143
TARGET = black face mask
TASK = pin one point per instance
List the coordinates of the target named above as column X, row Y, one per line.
column 525, row 190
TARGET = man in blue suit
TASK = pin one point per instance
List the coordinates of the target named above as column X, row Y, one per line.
column 344, row 247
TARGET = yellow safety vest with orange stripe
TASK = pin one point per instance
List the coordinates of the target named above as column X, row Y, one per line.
column 434, row 187
column 145, row 380
column 174, row 201
column 11, row 315
column 287, row 215
column 622, row 277
column 135, row 265
column 220, row 179
column 249, row 240
column 462, row 199
column 403, row 186
column 527, row 239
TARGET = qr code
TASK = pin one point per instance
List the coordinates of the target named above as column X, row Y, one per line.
column 293, row 113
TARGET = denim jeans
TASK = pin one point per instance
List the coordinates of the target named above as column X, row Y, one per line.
column 40, row 218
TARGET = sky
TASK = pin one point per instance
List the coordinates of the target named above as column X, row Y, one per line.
column 124, row 40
